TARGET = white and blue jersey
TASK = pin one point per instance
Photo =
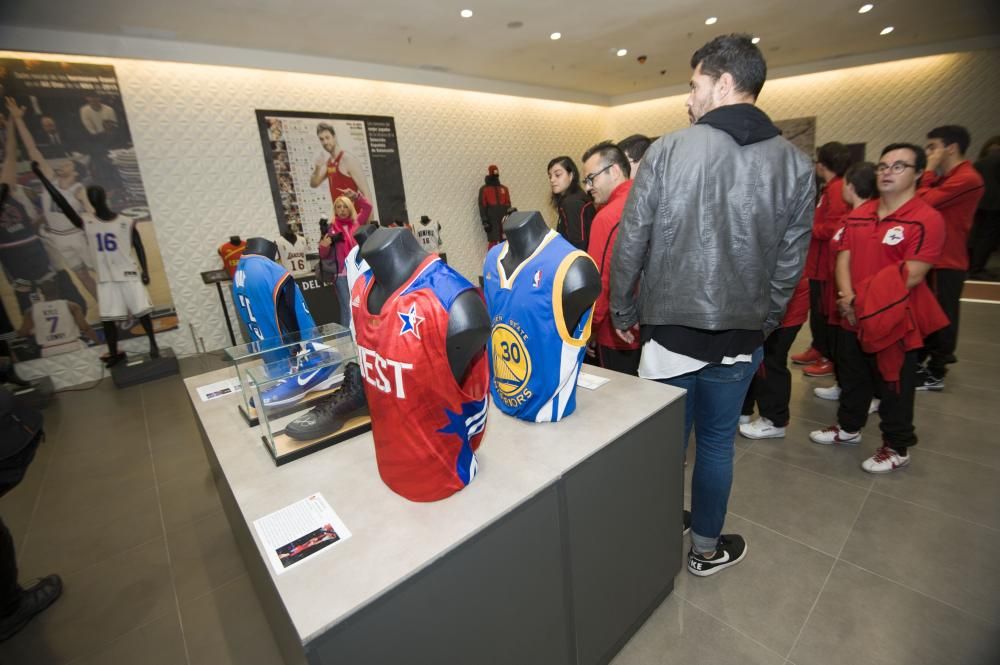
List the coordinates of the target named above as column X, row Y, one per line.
column 257, row 284
column 534, row 358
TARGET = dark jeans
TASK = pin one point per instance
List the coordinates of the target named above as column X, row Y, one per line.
column 771, row 387
column 625, row 361
column 984, row 239
column 860, row 381
column 818, row 326
column 940, row 346
column 712, row 408
column 10, row 592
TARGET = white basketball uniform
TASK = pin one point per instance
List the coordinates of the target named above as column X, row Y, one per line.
column 68, row 240
column 428, row 235
column 55, row 328
column 293, row 257
column 120, row 290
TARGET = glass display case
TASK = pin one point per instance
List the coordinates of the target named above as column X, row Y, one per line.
column 280, row 353
column 311, row 402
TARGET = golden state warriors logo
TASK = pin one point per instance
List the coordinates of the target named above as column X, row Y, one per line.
column 511, row 364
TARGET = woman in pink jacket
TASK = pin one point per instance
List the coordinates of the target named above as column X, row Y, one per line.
column 350, row 212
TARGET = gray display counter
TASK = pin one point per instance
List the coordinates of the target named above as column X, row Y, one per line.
column 566, row 541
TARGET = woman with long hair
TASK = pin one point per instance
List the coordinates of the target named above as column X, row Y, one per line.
column 575, row 209
column 350, row 212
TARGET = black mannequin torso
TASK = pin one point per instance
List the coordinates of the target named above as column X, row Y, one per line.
column 290, row 236
column 394, row 256
column 525, row 231
column 364, row 232
column 235, row 240
column 285, row 304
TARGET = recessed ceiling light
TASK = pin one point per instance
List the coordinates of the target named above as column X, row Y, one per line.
column 866, row 8
column 622, row 52
column 555, row 35
column 755, row 40
column 711, row 20
column 466, row 13
column 886, row 30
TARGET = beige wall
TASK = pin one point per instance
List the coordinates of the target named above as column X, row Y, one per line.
column 876, row 104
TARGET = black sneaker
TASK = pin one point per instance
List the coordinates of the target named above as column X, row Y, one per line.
column 331, row 413
column 33, row 601
column 687, row 523
column 729, row 552
column 927, row 381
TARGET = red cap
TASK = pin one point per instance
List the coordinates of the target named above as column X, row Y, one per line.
column 493, row 170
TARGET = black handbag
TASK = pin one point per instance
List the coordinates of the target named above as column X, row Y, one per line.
column 20, row 435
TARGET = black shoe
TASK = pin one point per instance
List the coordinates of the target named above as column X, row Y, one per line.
column 111, row 361
column 927, row 381
column 33, row 601
column 729, row 552
column 329, row 415
column 687, row 523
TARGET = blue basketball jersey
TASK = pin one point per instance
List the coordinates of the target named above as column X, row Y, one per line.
column 256, row 284
column 534, row 359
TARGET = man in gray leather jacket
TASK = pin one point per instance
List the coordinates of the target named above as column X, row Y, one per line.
column 715, row 233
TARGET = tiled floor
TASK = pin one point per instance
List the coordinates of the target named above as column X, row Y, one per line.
column 843, row 567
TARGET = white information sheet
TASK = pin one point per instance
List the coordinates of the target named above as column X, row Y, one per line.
column 219, row 389
column 590, row 381
column 295, row 533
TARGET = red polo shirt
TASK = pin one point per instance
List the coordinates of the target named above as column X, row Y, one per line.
column 914, row 232
column 828, row 218
column 955, row 195
column 603, row 233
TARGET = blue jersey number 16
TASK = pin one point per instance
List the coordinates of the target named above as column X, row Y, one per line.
column 106, row 242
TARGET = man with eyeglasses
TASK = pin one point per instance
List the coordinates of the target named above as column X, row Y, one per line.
column 886, row 249
column 953, row 186
column 607, row 168
column 717, row 224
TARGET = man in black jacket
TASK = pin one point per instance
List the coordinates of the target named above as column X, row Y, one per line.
column 717, row 224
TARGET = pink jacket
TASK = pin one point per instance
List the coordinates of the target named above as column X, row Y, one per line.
column 347, row 227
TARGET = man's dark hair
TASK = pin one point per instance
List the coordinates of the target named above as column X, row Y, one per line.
column 834, row 156
column 861, row 176
column 952, row 134
column 325, row 127
column 738, row 56
column 919, row 156
column 569, row 167
column 635, row 146
column 610, row 154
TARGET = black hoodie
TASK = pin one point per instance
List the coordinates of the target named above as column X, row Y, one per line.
column 746, row 123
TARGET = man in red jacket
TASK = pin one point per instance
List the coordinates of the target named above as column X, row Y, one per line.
column 832, row 160
column 896, row 228
column 606, row 178
column 953, row 186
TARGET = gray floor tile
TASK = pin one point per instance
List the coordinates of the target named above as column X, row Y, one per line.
column 99, row 604
column 179, row 456
column 737, row 595
column 203, row 556
column 958, row 437
column 839, row 462
column 63, row 544
column 954, row 486
column 18, row 505
column 943, row 557
column 157, row 643
column 979, row 405
column 972, row 376
column 188, row 498
column 862, row 618
column 227, row 627
column 809, row 508
column 985, row 351
column 678, row 632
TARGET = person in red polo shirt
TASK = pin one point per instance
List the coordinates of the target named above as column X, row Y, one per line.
column 953, row 186
column 832, row 160
column 607, row 181
column 897, row 229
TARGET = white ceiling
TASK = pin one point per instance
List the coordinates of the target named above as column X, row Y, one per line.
column 431, row 35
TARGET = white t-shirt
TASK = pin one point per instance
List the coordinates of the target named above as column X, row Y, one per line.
column 657, row 362
column 93, row 120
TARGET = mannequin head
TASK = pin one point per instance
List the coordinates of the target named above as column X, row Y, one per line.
column 343, row 208
column 99, row 200
column 261, row 246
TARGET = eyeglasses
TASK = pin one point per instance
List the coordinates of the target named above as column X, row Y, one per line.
column 895, row 167
column 589, row 180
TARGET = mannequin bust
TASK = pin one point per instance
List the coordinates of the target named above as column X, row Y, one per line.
column 525, row 231
column 286, row 297
column 261, row 246
column 235, row 240
column 394, row 255
column 364, row 232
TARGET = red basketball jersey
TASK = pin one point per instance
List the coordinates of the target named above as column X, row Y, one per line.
column 231, row 254
column 338, row 180
column 426, row 426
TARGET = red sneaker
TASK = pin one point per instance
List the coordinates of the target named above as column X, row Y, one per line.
column 821, row 367
column 807, row 357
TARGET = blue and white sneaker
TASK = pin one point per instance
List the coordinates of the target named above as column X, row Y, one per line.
column 295, row 388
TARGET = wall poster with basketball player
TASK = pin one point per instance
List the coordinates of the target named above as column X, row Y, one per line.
column 314, row 158
column 69, row 118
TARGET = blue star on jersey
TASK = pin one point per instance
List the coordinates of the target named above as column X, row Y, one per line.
column 467, row 424
column 411, row 321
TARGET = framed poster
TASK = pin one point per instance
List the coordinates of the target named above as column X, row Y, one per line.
column 801, row 132
column 313, row 158
column 68, row 117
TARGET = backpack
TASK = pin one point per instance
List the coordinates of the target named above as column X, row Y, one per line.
column 20, row 434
